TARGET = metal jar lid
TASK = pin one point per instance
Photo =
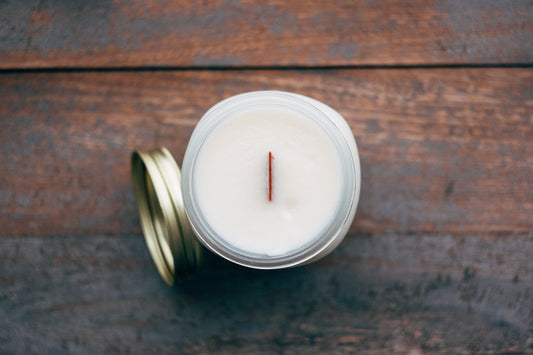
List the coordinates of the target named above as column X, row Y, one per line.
column 157, row 182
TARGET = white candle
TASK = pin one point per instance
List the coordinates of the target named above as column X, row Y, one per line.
column 314, row 179
column 232, row 181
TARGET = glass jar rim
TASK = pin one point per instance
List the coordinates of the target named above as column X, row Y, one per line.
column 346, row 206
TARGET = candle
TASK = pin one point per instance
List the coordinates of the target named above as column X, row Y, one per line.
column 271, row 179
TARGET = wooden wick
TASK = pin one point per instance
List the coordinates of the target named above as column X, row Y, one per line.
column 270, row 158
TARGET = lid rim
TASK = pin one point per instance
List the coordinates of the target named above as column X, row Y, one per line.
column 156, row 180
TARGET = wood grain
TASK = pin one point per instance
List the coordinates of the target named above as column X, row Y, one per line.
column 223, row 33
column 443, row 151
column 439, row 259
column 374, row 295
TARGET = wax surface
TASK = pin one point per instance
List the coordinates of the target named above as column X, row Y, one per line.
column 231, row 180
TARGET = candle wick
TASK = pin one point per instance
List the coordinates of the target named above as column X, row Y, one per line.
column 270, row 158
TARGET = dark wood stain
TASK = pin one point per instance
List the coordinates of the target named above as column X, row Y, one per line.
column 231, row 33
column 439, row 259
column 376, row 294
column 68, row 137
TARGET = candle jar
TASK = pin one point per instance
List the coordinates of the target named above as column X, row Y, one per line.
column 294, row 211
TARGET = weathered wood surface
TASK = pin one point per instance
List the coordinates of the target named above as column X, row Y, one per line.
column 374, row 295
column 122, row 33
column 439, row 259
column 443, row 151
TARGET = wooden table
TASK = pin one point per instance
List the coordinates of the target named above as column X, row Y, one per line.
column 439, row 95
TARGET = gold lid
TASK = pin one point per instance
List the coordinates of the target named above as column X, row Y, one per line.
column 166, row 228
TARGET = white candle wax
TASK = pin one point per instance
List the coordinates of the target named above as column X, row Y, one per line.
column 232, row 174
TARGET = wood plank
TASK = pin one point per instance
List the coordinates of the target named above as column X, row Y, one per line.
column 373, row 295
column 444, row 151
column 250, row 33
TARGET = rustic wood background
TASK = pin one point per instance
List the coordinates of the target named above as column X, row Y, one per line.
column 439, row 95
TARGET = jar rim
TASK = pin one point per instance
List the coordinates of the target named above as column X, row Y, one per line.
column 329, row 236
